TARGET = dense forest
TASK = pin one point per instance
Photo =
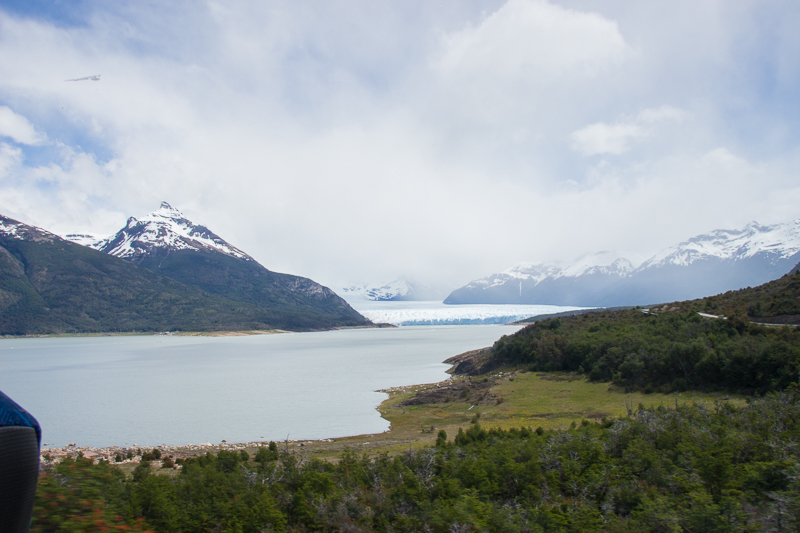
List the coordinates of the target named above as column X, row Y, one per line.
column 672, row 348
column 686, row 468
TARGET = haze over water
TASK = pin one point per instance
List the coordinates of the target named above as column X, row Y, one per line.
column 150, row 390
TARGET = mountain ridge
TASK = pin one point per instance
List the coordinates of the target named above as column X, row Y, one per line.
column 705, row 264
column 166, row 242
column 401, row 289
column 49, row 285
column 167, row 228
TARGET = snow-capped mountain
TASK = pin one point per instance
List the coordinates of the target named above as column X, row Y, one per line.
column 704, row 265
column 49, row 284
column 533, row 272
column 555, row 283
column 84, row 239
column 715, row 262
column 605, row 263
column 171, row 245
column 17, row 230
column 164, row 229
column 779, row 241
column 402, row 289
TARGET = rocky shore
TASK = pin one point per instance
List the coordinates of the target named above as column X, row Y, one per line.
column 454, row 388
column 132, row 455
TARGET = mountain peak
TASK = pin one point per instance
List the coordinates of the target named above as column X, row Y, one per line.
column 717, row 261
column 167, row 211
column 403, row 288
column 165, row 229
column 781, row 240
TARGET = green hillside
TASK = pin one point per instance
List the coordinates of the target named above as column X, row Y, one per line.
column 247, row 281
column 671, row 347
column 694, row 468
column 776, row 302
column 49, row 285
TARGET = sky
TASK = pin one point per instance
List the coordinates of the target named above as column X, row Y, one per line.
column 352, row 141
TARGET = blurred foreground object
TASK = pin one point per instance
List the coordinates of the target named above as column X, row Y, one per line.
column 20, row 438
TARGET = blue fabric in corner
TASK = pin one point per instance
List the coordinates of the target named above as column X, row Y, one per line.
column 11, row 414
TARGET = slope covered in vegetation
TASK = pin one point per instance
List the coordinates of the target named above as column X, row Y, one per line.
column 776, row 302
column 686, row 469
column 672, row 347
column 694, row 467
column 248, row 282
column 49, row 285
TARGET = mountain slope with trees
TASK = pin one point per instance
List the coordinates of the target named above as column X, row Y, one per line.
column 169, row 244
column 50, row 285
column 672, row 347
column 715, row 468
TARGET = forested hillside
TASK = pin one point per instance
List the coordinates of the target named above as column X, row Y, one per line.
column 169, row 244
column 672, row 347
column 49, row 285
column 776, row 302
column 691, row 468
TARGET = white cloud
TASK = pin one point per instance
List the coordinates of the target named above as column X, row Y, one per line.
column 348, row 141
column 18, row 128
column 10, row 157
column 533, row 40
column 516, row 69
column 658, row 114
column 604, row 138
column 616, row 138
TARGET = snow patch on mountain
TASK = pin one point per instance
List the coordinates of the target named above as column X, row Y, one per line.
column 377, row 292
column 402, row 289
column 780, row 240
column 84, row 239
column 609, row 263
column 10, row 228
column 24, row 232
column 165, row 228
column 522, row 271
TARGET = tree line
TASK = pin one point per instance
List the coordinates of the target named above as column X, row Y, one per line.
column 668, row 351
column 715, row 468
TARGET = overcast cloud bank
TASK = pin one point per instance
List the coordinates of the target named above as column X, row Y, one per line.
column 350, row 141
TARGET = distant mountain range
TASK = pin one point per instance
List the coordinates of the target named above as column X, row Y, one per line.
column 704, row 265
column 403, row 289
column 158, row 273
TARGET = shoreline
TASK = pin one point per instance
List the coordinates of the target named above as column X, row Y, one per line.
column 504, row 398
column 221, row 333
column 501, row 397
column 53, row 455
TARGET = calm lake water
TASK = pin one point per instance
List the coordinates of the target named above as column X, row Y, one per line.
column 150, row 390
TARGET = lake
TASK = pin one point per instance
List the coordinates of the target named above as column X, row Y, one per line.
column 151, row 390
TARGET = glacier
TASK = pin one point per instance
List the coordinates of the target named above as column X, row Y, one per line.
column 435, row 313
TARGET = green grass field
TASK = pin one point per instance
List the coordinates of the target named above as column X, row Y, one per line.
column 515, row 398
column 504, row 399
